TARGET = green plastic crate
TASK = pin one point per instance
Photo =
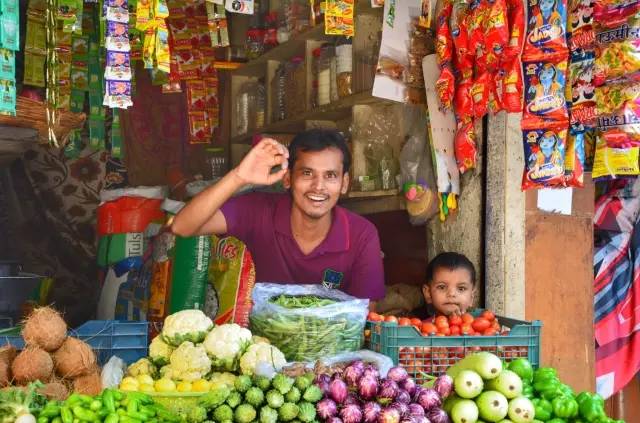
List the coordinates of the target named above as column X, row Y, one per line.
column 432, row 355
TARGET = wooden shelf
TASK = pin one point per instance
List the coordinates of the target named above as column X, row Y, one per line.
column 332, row 111
column 373, row 204
column 227, row 65
column 370, row 194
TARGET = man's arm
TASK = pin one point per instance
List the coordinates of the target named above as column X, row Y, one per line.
column 202, row 215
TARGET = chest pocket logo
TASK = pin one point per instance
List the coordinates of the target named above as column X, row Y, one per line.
column 332, row 279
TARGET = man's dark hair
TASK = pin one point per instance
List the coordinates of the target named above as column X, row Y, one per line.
column 450, row 261
column 318, row 140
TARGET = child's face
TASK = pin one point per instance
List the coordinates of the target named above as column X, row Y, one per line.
column 450, row 291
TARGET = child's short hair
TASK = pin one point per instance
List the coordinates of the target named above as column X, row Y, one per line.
column 451, row 261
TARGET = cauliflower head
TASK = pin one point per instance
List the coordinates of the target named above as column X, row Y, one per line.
column 189, row 362
column 186, row 325
column 159, row 351
column 142, row 367
column 261, row 353
column 225, row 344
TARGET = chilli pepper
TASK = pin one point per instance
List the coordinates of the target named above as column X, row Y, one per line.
column 112, row 418
column 108, row 400
column 66, row 415
column 83, row 414
column 57, row 419
column 590, row 406
column 556, row 420
column 50, row 410
column 564, row 407
column 42, row 419
column 543, row 408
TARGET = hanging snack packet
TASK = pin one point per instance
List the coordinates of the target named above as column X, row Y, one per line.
column 496, row 91
column 516, row 19
column 7, row 64
column 512, row 86
column 617, row 52
column 118, row 66
column 9, row 32
column 610, row 162
column 621, row 128
column 581, row 24
column 162, row 53
column 117, row 11
column 444, row 40
column 612, row 13
column 148, row 48
column 458, row 23
column 583, row 96
column 7, row 97
column 199, row 129
column 496, row 32
column 480, row 91
column 445, row 86
column 118, row 94
column 117, row 38
column 465, row 146
column 463, row 102
column 574, row 159
column 544, row 151
column 476, row 24
column 546, row 30
column 143, row 15
column 545, row 104
column 196, row 95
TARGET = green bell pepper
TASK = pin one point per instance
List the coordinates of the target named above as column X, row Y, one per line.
column 543, row 408
column 565, row 407
column 528, row 391
column 590, row 407
column 522, row 367
column 544, row 373
column 567, row 391
column 546, row 382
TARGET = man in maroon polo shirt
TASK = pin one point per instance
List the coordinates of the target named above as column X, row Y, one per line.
column 301, row 236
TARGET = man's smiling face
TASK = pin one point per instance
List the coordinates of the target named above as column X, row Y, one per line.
column 316, row 181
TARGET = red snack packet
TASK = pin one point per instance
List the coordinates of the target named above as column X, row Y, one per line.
column 512, row 86
column 547, row 30
column 516, row 19
column 581, row 24
column 444, row 41
column 445, row 85
column 465, row 147
column 609, row 14
column 480, row 95
column 476, row 24
column 544, row 90
column 196, row 95
column 463, row 102
column 496, row 32
column 460, row 33
column 496, row 92
column 199, row 129
column 573, row 160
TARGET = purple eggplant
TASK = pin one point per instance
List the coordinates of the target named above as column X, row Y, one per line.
column 326, row 409
column 371, row 411
column 353, row 373
column 409, row 385
column 338, row 391
column 323, row 377
column 443, row 385
column 403, row 396
column 334, row 420
column 370, row 370
column 402, row 408
column 389, row 415
column 416, row 409
column 421, row 419
column 397, row 374
column 368, row 387
column 429, row 398
column 438, row 415
column 352, row 399
column 407, row 419
column 388, row 390
column 359, row 364
column 351, row 413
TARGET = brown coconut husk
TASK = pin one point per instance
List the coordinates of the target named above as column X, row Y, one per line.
column 8, row 353
column 45, row 328
column 74, row 358
column 56, row 390
column 5, row 374
column 32, row 364
column 89, row 384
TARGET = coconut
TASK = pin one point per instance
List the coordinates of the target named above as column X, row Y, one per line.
column 32, row 364
column 89, row 384
column 45, row 328
column 55, row 390
column 74, row 358
column 8, row 354
column 5, row 374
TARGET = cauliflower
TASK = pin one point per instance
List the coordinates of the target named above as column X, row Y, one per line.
column 189, row 362
column 261, row 353
column 186, row 325
column 225, row 344
column 142, row 367
column 159, row 351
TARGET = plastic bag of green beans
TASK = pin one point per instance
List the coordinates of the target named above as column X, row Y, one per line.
column 307, row 322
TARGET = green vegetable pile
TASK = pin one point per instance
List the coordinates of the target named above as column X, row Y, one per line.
column 17, row 404
column 322, row 326
column 111, row 406
column 258, row 399
column 554, row 401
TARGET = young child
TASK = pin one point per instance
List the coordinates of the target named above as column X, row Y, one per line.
column 451, row 280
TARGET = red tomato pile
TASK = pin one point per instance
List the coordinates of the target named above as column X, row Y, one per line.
column 484, row 325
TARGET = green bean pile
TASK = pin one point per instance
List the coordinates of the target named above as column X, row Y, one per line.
column 305, row 334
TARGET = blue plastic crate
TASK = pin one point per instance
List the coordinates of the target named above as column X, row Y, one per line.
column 432, row 355
column 127, row 340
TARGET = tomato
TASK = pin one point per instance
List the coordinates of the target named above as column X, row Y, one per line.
column 488, row 314
column 416, row 322
column 480, row 324
column 374, row 317
column 446, row 331
column 428, row 328
column 455, row 330
column 466, row 329
column 404, row 321
column 442, row 322
column 467, row 318
column 455, row 319
column 391, row 319
column 497, row 326
column 489, row 332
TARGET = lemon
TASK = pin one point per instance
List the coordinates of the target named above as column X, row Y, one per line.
column 130, row 380
column 165, row 385
column 184, row 387
column 201, row 385
column 146, row 387
column 145, row 380
column 127, row 386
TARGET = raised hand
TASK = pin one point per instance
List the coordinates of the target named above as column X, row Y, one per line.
column 257, row 165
